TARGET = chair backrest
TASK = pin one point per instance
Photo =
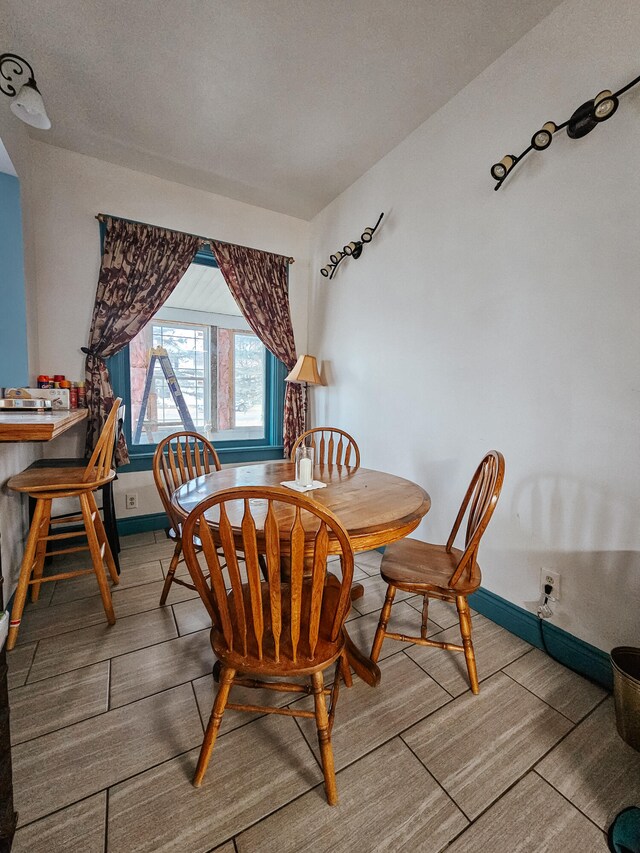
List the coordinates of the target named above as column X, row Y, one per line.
column 332, row 446
column 478, row 505
column 99, row 466
column 180, row 457
column 300, row 609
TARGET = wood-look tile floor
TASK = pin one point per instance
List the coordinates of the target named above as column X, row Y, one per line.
column 107, row 723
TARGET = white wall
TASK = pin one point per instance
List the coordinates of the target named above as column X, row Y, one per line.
column 510, row 319
column 70, row 189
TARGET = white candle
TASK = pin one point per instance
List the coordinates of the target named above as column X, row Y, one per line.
column 305, row 472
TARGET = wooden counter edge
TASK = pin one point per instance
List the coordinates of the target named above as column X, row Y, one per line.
column 44, row 431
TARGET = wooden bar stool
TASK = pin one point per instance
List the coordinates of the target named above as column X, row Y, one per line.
column 108, row 504
column 46, row 485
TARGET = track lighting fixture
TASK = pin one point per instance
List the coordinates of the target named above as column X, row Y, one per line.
column 353, row 250
column 584, row 119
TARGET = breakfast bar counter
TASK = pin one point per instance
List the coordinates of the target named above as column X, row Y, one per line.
column 38, row 426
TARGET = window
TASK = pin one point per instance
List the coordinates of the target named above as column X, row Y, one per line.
column 198, row 365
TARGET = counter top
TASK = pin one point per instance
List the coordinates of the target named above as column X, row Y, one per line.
column 34, row 426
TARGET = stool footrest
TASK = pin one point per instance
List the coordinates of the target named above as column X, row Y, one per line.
column 62, row 575
column 53, row 537
column 66, row 519
column 67, row 550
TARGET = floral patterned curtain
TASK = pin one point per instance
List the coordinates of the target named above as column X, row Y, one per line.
column 258, row 282
column 141, row 265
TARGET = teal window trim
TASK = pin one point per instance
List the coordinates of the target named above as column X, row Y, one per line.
column 250, row 450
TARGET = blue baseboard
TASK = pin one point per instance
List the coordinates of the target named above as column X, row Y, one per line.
column 569, row 650
column 141, row 523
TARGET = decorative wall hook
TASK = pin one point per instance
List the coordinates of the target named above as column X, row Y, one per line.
column 353, row 249
column 584, row 119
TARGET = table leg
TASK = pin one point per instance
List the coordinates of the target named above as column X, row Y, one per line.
column 363, row 666
column 217, row 668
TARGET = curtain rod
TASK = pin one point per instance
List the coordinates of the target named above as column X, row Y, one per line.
column 204, row 241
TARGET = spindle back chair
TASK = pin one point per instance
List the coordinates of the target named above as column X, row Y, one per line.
column 332, row 446
column 281, row 626
column 478, row 506
column 180, row 457
column 101, row 461
column 444, row 572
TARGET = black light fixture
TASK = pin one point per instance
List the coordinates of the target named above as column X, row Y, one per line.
column 543, row 137
column 27, row 103
column 353, row 250
column 584, row 119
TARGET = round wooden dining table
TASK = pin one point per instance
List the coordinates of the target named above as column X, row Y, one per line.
column 375, row 508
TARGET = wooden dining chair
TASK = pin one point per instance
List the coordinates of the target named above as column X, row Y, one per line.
column 180, row 457
column 442, row 571
column 46, row 485
column 284, row 627
column 332, row 446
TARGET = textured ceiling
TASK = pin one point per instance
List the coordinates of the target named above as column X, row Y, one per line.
column 279, row 103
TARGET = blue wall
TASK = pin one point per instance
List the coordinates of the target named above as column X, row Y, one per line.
column 14, row 366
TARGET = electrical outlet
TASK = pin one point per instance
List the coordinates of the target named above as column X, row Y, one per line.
column 131, row 501
column 552, row 579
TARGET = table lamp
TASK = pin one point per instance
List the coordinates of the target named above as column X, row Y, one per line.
column 305, row 371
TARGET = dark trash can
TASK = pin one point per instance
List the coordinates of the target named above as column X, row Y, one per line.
column 626, row 691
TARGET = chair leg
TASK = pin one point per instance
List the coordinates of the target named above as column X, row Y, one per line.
column 25, row 573
column 425, row 617
column 41, row 549
column 96, row 556
column 101, row 533
column 226, row 680
column 111, row 522
column 173, row 565
column 324, row 738
column 335, row 692
column 465, row 630
column 385, row 613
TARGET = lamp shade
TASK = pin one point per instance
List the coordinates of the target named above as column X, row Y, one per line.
column 305, row 370
column 29, row 107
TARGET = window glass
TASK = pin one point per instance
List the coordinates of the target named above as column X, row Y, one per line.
column 197, row 365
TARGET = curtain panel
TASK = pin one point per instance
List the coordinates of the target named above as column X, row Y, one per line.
column 141, row 266
column 258, row 282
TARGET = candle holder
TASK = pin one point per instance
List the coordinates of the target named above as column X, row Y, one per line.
column 304, row 465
